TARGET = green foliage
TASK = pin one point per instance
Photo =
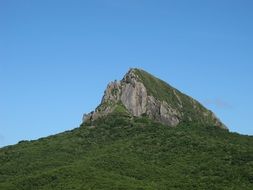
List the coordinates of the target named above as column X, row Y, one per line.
column 122, row 152
column 158, row 88
column 119, row 108
column 176, row 99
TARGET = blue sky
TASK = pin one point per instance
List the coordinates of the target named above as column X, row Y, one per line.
column 56, row 58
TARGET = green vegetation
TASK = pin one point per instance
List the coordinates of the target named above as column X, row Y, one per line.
column 191, row 109
column 121, row 152
column 158, row 88
column 120, row 109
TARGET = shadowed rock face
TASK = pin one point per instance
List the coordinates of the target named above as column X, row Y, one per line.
column 133, row 95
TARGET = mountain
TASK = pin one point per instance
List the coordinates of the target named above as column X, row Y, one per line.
column 141, row 94
column 145, row 134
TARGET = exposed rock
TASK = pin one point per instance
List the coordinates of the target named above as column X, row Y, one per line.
column 134, row 98
column 112, row 92
column 133, row 95
column 153, row 108
column 168, row 115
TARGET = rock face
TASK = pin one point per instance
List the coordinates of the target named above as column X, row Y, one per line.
column 131, row 93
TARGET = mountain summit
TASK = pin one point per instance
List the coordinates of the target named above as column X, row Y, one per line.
column 141, row 94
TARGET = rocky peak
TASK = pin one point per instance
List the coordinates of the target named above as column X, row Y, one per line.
column 130, row 76
column 134, row 93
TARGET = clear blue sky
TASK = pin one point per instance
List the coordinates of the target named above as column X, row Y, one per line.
column 56, row 57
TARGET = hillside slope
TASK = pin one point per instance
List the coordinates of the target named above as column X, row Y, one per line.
column 123, row 153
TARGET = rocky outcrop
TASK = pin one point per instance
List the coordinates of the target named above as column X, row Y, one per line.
column 134, row 98
column 132, row 93
column 140, row 93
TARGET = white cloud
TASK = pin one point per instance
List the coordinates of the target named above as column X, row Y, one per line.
column 219, row 103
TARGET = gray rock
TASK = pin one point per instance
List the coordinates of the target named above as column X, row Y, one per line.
column 132, row 93
column 134, row 98
column 168, row 115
